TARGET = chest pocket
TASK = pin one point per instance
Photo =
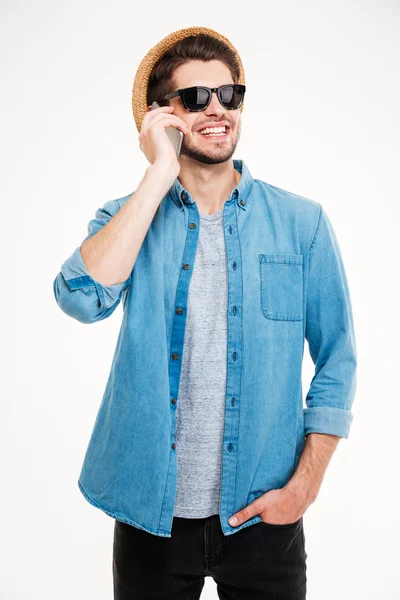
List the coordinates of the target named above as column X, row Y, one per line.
column 281, row 286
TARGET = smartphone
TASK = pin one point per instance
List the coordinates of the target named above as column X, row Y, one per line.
column 174, row 134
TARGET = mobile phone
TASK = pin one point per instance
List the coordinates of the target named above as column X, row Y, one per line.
column 175, row 135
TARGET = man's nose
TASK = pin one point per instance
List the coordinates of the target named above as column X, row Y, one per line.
column 215, row 107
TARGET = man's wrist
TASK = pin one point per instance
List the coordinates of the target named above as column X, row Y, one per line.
column 307, row 479
column 305, row 490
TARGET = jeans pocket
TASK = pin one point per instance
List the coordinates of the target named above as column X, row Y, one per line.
column 281, row 526
column 281, row 286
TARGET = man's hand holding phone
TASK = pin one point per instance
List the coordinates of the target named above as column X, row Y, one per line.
column 155, row 143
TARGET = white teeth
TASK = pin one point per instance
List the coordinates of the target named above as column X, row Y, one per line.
column 213, row 130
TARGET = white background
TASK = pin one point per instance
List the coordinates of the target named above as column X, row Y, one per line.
column 321, row 119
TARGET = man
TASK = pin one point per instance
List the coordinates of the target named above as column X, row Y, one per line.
column 202, row 450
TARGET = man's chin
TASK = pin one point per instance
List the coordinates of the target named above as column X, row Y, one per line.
column 211, row 158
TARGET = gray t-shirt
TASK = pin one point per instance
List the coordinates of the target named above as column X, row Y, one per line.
column 202, row 388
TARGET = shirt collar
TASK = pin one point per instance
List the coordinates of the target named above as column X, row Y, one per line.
column 241, row 192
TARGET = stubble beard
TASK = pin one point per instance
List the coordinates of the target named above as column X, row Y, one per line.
column 214, row 156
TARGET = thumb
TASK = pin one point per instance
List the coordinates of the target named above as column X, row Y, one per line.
column 245, row 514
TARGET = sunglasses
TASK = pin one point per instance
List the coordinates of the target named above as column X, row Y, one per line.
column 198, row 97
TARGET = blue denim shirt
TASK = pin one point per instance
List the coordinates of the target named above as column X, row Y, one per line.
column 286, row 283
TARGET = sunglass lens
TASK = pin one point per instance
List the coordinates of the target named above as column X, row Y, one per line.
column 232, row 96
column 196, row 98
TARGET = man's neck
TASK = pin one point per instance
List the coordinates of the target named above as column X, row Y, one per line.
column 209, row 185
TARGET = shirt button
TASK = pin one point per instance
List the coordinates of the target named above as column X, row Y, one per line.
column 186, row 266
column 184, row 195
column 242, row 202
column 174, row 445
column 192, row 225
column 173, row 400
column 179, row 311
column 174, row 356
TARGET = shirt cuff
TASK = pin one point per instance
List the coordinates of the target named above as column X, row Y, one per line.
column 327, row 419
column 77, row 278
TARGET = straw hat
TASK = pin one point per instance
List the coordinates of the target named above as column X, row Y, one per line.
column 139, row 90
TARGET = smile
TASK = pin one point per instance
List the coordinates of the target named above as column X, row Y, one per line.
column 214, row 132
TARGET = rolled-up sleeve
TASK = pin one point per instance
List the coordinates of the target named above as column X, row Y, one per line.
column 330, row 333
column 76, row 292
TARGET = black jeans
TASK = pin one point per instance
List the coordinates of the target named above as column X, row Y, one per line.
column 261, row 561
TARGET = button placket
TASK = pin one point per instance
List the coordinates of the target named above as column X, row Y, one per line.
column 179, row 322
column 191, row 214
column 234, row 366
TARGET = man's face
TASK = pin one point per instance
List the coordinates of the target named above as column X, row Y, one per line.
column 203, row 148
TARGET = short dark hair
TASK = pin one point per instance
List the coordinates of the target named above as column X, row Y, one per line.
column 194, row 47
